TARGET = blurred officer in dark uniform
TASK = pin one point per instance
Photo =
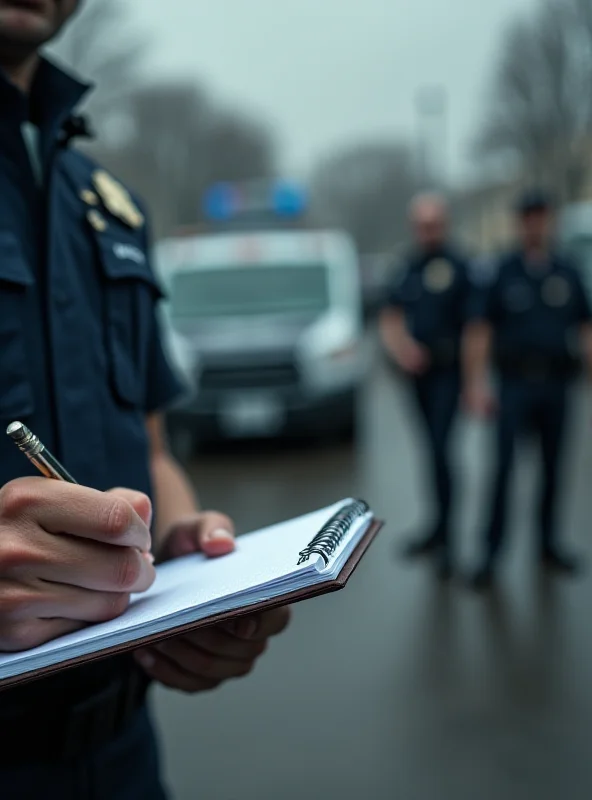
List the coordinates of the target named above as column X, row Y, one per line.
column 530, row 323
column 81, row 363
column 421, row 329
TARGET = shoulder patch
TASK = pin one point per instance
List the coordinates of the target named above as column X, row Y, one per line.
column 439, row 275
column 97, row 188
column 117, row 199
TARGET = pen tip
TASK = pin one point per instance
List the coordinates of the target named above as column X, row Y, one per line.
column 16, row 431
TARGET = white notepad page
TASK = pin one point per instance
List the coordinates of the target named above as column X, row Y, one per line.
column 264, row 566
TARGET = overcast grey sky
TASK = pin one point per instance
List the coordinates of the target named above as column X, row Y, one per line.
column 328, row 72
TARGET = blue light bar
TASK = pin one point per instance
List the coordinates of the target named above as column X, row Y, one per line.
column 288, row 200
column 224, row 202
column 220, row 202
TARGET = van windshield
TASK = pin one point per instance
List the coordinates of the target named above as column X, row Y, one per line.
column 248, row 291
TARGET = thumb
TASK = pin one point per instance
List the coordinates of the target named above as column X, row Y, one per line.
column 140, row 502
column 210, row 532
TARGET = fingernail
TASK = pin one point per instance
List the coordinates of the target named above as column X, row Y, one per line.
column 149, row 557
column 145, row 660
column 218, row 535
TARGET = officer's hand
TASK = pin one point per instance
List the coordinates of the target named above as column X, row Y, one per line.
column 203, row 660
column 208, row 532
column 412, row 357
column 479, row 400
column 69, row 556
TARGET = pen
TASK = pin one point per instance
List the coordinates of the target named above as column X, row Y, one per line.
column 37, row 453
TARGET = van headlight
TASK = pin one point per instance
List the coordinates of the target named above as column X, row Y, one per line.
column 331, row 353
column 344, row 353
column 333, row 369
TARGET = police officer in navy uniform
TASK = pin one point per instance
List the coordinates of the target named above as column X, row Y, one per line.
column 81, row 363
column 421, row 330
column 529, row 323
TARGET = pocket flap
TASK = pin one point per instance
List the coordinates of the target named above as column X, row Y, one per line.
column 124, row 259
column 13, row 265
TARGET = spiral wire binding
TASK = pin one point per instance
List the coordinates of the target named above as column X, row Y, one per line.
column 332, row 534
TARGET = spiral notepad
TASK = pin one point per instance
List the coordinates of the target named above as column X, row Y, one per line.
column 326, row 542
column 284, row 563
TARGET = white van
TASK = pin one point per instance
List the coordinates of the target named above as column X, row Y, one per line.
column 267, row 329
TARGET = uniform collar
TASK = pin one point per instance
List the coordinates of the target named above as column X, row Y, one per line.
column 537, row 268
column 425, row 256
column 54, row 96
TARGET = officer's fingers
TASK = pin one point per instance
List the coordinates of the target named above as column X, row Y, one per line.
column 217, row 641
column 209, row 532
column 215, row 534
column 79, row 605
column 89, row 565
column 160, row 668
column 64, row 508
column 140, row 502
column 195, row 661
column 259, row 627
column 18, row 635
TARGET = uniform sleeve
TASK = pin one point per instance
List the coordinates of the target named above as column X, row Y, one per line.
column 163, row 383
column 398, row 287
column 483, row 300
column 582, row 302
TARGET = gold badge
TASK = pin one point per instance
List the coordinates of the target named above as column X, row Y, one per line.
column 438, row 276
column 556, row 291
column 89, row 197
column 97, row 220
column 117, row 199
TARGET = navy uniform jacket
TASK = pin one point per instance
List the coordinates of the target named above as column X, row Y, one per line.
column 81, row 361
column 535, row 313
column 433, row 291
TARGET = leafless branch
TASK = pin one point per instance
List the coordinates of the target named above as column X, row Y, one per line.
column 366, row 189
column 541, row 103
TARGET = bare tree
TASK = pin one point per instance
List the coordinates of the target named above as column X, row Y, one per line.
column 366, row 190
column 168, row 141
column 161, row 152
column 239, row 149
column 177, row 143
column 541, row 105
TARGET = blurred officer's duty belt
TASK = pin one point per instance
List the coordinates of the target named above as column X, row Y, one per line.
column 444, row 353
column 69, row 733
column 537, row 368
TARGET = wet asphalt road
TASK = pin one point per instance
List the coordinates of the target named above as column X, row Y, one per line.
column 398, row 687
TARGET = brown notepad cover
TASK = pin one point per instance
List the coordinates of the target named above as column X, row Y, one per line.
column 284, row 600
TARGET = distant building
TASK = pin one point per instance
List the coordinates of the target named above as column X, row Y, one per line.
column 483, row 215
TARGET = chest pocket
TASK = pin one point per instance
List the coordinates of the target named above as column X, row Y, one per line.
column 557, row 293
column 16, row 392
column 131, row 291
column 411, row 289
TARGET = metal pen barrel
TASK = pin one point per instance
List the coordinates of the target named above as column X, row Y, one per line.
column 37, row 453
